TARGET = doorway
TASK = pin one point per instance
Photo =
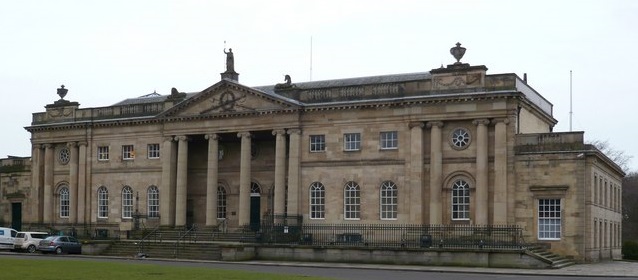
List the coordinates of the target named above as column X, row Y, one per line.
column 16, row 216
column 255, row 207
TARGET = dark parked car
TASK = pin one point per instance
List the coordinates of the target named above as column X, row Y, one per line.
column 60, row 244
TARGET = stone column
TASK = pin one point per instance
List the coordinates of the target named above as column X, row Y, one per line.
column 73, row 181
column 481, row 172
column 167, row 191
column 212, row 180
column 36, row 176
column 82, row 202
column 417, row 204
column 182, row 179
column 244, row 179
column 436, row 171
column 500, row 172
column 280, row 171
column 48, row 183
column 294, row 171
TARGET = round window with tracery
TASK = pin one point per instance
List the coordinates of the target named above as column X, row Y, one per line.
column 460, row 138
column 64, row 156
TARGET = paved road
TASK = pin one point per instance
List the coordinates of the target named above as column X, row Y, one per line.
column 609, row 270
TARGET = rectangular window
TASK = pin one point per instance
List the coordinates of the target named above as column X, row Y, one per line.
column 128, row 152
column 352, row 141
column 103, row 153
column 317, row 143
column 388, row 140
column 549, row 219
column 153, row 151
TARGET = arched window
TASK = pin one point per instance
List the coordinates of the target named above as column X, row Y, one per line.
column 352, row 201
column 389, row 201
column 317, row 201
column 127, row 202
column 64, row 201
column 153, row 202
column 221, row 202
column 255, row 189
column 102, row 202
column 460, row 200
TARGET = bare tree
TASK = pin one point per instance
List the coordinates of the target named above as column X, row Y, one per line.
column 621, row 158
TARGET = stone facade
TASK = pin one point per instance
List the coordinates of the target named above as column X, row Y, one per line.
column 450, row 146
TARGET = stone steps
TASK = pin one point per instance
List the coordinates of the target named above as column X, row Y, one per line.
column 165, row 249
column 554, row 260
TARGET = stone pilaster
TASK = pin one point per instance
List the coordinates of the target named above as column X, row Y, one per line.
column 481, row 214
column 417, row 204
column 294, row 160
column 212, row 180
column 280, row 171
column 82, row 201
column 500, row 172
column 244, row 179
column 167, row 191
column 48, row 183
column 180, row 186
column 73, row 181
column 436, row 171
column 36, row 177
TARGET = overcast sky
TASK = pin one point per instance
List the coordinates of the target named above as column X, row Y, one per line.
column 107, row 51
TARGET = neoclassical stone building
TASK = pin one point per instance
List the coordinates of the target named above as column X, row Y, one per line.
column 453, row 145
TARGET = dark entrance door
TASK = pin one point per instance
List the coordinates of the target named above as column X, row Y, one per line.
column 16, row 216
column 255, row 205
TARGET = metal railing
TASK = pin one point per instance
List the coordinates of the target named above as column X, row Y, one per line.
column 142, row 243
column 191, row 233
column 396, row 236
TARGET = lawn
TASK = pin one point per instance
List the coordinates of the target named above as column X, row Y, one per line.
column 86, row 269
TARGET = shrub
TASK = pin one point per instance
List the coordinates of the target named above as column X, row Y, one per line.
column 630, row 250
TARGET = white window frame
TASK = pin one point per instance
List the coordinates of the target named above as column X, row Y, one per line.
column 127, row 202
column 317, row 143
column 460, row 200
column 102, row 153
column 153, row 151
column 388, row 201
column 102, row 202
column 352, row 141
column 152, row 202
column 317, row 201
column 128, row 152
column 549, row 213
column 352, row 201
column 65, row 199
column 389, row 140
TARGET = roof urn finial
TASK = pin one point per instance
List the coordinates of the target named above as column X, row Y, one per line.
column 62, row 92
column 457, row 52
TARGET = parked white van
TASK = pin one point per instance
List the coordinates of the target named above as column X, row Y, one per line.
column 28, row 240
column 7, row 235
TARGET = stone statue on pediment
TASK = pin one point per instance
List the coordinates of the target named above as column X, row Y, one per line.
column 230, row 60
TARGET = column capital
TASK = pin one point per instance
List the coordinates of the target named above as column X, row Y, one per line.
column 182, row 138
column 37, row 146
column 278, row 131
column 83, row 143
column 431, row 124
column 212, row 136
column 501, row 120
column 412, row 125
column 71, row 144
column 47, row 146
column 478, row 122
column 294, row 131
column 245, row 134
column 169, row 138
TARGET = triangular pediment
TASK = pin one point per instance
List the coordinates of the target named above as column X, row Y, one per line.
column 230, row 98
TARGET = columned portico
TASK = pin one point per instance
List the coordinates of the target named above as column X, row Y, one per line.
column 212, row 179
column 294, row 172
column 500, row 171
column 280, row 171
column 417, row 207
column 73, row 182
column 48, row 183
column 436, row 171
column 244, row 179
column 481, row 172
column 182, row 178
column 167, row 204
